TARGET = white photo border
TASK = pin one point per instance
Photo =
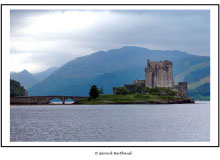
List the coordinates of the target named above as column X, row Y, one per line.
column 214, row 74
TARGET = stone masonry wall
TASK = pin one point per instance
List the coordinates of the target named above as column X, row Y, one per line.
column 181, row 89
column 159, row 74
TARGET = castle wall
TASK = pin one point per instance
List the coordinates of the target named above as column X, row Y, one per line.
column 159, row 74
column 131, row 88
column 148, row 77
column 115, row 90
column 181, row 89
column 139, row 83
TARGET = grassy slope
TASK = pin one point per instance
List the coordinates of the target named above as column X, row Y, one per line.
column 108, row 99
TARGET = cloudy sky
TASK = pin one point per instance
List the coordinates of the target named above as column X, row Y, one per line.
column 45, row 38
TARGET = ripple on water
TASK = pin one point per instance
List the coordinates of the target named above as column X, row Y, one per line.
column 127, row 123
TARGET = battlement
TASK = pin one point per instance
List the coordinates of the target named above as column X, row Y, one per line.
column 159, row 64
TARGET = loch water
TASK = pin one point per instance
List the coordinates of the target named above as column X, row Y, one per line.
column 111, row 123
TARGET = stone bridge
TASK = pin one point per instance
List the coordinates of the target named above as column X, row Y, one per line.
column 43, row 99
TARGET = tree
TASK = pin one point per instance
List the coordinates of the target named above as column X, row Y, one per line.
column 16, row 89
column 121, row 91
column 94, row 92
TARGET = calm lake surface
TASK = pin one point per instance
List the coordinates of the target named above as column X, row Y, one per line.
column 115, row 123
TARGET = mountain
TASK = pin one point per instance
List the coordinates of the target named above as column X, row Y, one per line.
column 117, row 67
column 42, row 75
column 25, row 78
column 202, row 92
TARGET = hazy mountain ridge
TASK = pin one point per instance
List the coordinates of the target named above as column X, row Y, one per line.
column 25, row 78
column 202, row 92
column 112, row 68
column 28, row 79
column 42, row 75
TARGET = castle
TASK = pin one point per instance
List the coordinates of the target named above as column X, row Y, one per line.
column 157, row 74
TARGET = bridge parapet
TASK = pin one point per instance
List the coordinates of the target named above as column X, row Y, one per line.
column 43, row 99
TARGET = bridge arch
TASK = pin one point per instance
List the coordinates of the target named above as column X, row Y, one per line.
column 69, row 100
column 55, row 100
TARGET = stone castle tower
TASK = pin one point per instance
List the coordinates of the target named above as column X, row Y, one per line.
column 159, row 74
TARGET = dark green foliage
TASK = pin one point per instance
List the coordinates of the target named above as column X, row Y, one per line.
column 130, row 98
column 94, row 92
column 142, row 89
column 121, row 91
column 138, row 89
column 161, row 91
column 16, row 89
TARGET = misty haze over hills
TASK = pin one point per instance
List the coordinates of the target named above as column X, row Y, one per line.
column 27, row 79
column 117, row 67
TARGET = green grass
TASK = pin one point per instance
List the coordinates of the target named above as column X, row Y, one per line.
column 128, row 98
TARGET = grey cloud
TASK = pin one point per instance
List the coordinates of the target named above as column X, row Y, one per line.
column 154, row 29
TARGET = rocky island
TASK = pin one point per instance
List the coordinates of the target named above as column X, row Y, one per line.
column 157, row 88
